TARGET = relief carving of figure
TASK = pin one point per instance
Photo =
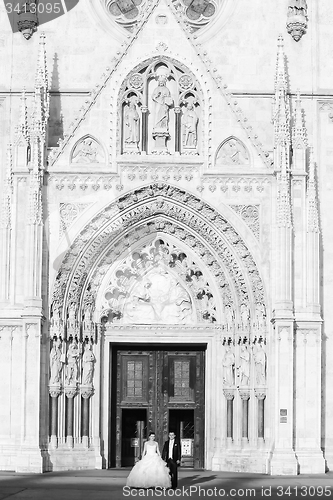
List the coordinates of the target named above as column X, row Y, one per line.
column 260, row 364
column 159, row 298
column 190, row 124
column 71, row 321
column 245, row 316
column 228, row 363
column 163, row 101
column 229, row 317
column 88, row 322
column 86, row 152
column 244, row 365
column 260, row 316
column 232, row 153
column 55, row 363
column 73, row 354
column 88, row 361
column 132, row 122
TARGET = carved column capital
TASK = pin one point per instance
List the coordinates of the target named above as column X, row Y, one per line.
column 70, row 391
column 55, row 390
column 229, row 394
column 86, row 391
column 260, row 393
column 244, row 394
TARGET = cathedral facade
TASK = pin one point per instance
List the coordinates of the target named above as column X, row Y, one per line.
column 166, row 244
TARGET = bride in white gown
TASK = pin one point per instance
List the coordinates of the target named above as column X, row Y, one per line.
column 151, row 470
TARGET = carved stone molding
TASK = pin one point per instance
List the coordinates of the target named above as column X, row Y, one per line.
column 234, row 183
column 164, row 173
column 84, row 182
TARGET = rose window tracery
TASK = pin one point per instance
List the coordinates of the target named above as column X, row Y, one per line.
column 197, row 13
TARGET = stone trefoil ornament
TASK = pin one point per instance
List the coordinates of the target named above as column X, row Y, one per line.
column 297, row 19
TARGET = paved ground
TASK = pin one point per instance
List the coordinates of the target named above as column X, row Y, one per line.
column 109, row 485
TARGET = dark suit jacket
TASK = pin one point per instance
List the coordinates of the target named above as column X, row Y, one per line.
column 176, row 452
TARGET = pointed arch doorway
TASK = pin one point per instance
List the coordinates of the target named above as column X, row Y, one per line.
column 157, row 388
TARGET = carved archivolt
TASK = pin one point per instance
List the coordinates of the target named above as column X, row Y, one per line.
column 152, row 209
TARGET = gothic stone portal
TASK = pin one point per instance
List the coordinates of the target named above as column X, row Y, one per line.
column 157, row 389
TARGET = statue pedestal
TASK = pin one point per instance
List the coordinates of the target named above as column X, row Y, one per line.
column 160, row 139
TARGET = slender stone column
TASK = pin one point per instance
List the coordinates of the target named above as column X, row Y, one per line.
column 70, row 394
column 229, row 395
column 144, row 111
column 177, row 129
column 261, row 395
column 245, row 396
column 86, row 392
column 54, row 391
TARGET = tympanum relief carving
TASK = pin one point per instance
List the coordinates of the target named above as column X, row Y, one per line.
column 159, row 284
column 87, row 151
column 232, row 152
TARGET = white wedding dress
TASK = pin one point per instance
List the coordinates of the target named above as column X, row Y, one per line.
column 150, row 471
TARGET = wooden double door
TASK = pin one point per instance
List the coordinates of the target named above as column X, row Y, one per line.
column 157, row 388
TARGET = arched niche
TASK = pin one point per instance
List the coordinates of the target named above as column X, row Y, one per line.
column 87, row 150
column 161, row 110
column 232, row 152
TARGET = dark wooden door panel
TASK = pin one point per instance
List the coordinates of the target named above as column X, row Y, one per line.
column 168, row 386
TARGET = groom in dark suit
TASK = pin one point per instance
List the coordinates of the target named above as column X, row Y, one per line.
column 172, row 454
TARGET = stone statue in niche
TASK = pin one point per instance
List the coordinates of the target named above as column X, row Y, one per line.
column 55, row 363
column 163, row 102
column 159, row 298
column 73, row 354
column 88, row 361
column 87, row 151
column 232, row 152
column 260, row 364
column 228, row 363
column 244, row 365
column 190, row 124
column 132, row 124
